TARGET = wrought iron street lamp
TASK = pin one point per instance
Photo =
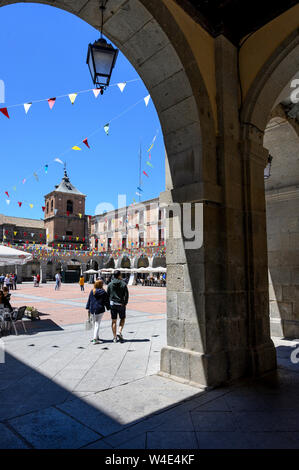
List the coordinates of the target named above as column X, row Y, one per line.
column 267, row 170
column 101, row 58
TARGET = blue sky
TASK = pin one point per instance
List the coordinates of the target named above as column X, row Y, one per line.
column 43, row 54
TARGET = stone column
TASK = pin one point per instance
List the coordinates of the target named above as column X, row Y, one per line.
column 283, row 254
column 43, row 273
column 19, row 272
column 217, row 309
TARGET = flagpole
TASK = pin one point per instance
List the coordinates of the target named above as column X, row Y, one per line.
column 139, row 171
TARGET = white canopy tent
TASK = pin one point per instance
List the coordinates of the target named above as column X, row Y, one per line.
column 12, row 256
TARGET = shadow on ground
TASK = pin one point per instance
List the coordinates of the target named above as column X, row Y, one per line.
column 152, row 412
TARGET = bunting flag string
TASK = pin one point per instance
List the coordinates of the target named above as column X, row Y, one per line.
column 44, row 168
column 72, row 97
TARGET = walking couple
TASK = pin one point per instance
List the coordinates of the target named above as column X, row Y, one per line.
column 115, row 300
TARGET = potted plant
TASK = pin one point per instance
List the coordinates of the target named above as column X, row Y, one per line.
column 32, row 313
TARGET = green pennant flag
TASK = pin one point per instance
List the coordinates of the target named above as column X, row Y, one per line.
column 149, row 164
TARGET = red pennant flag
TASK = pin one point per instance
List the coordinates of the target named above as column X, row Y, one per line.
column 67, row 213
column 43, row 208
column 145, row 174
column 20, row 203
column 5, row 112
column 51, row 102
column 85, row 141
column 7, row 194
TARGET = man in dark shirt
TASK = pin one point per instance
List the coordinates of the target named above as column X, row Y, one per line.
column 118, row 295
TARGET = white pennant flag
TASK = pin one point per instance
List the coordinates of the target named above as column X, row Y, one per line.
column 72, row 97
column 58, row 160
column 96, row 92
column 121, row 86
column 7, row 202
column 27, row 106
column 146, row 99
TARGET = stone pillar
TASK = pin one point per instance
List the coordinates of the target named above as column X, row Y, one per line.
column 19, row 272
column 217, row 297
column 283, row 255
column 43, row 273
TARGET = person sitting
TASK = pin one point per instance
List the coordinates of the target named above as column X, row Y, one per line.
column 5, row 299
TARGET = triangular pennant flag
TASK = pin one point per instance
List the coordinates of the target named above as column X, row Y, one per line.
column 58, row 160
column 138, row 194
column 51, row 102
column 31, row 206
column 96, row 92
column 80, row 215
column 5, row 112
column 145, row 174
column 85, row 141
column 46, row 168
column 32, row 234
column 35, row 176
column 15, row 233
column 76, row 148
column 14, row 188
column 20, row 203
column 43, row 208
column 139, row 189
column 72, row 97
column 55, row 211
column 149, row 164
column 146, row 99
column 24, row 181
column 7, row 202
column 27, row 106
column 121, row 86
column 106, row 128
column 7, row 194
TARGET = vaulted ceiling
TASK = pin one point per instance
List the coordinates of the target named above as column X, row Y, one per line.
column 235, row 18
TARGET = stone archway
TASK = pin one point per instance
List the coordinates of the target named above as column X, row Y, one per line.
column 262, row 98
column 199, row 327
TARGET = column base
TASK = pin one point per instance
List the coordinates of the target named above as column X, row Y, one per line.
column 212, row 370
column 284, row 328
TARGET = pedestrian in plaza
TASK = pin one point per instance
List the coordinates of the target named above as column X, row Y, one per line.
column 118, row 295
column 10, row 281
column 81, row 283
column 57, row 281
column 98, row 300
column 38, row 279
column 2, row 277
column 7, row 281
column 34, row 281
column 15, row 278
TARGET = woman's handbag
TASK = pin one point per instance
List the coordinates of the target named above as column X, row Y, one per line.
column 88, row 323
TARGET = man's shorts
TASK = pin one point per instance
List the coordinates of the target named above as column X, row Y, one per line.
column 118, row 310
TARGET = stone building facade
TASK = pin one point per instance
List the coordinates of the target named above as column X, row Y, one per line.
column 138, row 225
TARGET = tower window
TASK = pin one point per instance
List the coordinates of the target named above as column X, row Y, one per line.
column 69, row 206
column 52, row 204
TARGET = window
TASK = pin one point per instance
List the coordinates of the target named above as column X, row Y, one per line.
column 47, row 207
column 69, row 206
column 52, row 204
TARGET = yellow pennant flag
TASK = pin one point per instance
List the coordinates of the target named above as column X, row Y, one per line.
column 31, row 206
column 72, row 97
column 76, row 148
column 80, row 215
column 15, row 233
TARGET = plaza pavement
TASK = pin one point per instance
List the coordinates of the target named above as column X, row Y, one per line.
column 57, row 390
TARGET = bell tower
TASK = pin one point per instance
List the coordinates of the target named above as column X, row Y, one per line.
column 65, row 219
